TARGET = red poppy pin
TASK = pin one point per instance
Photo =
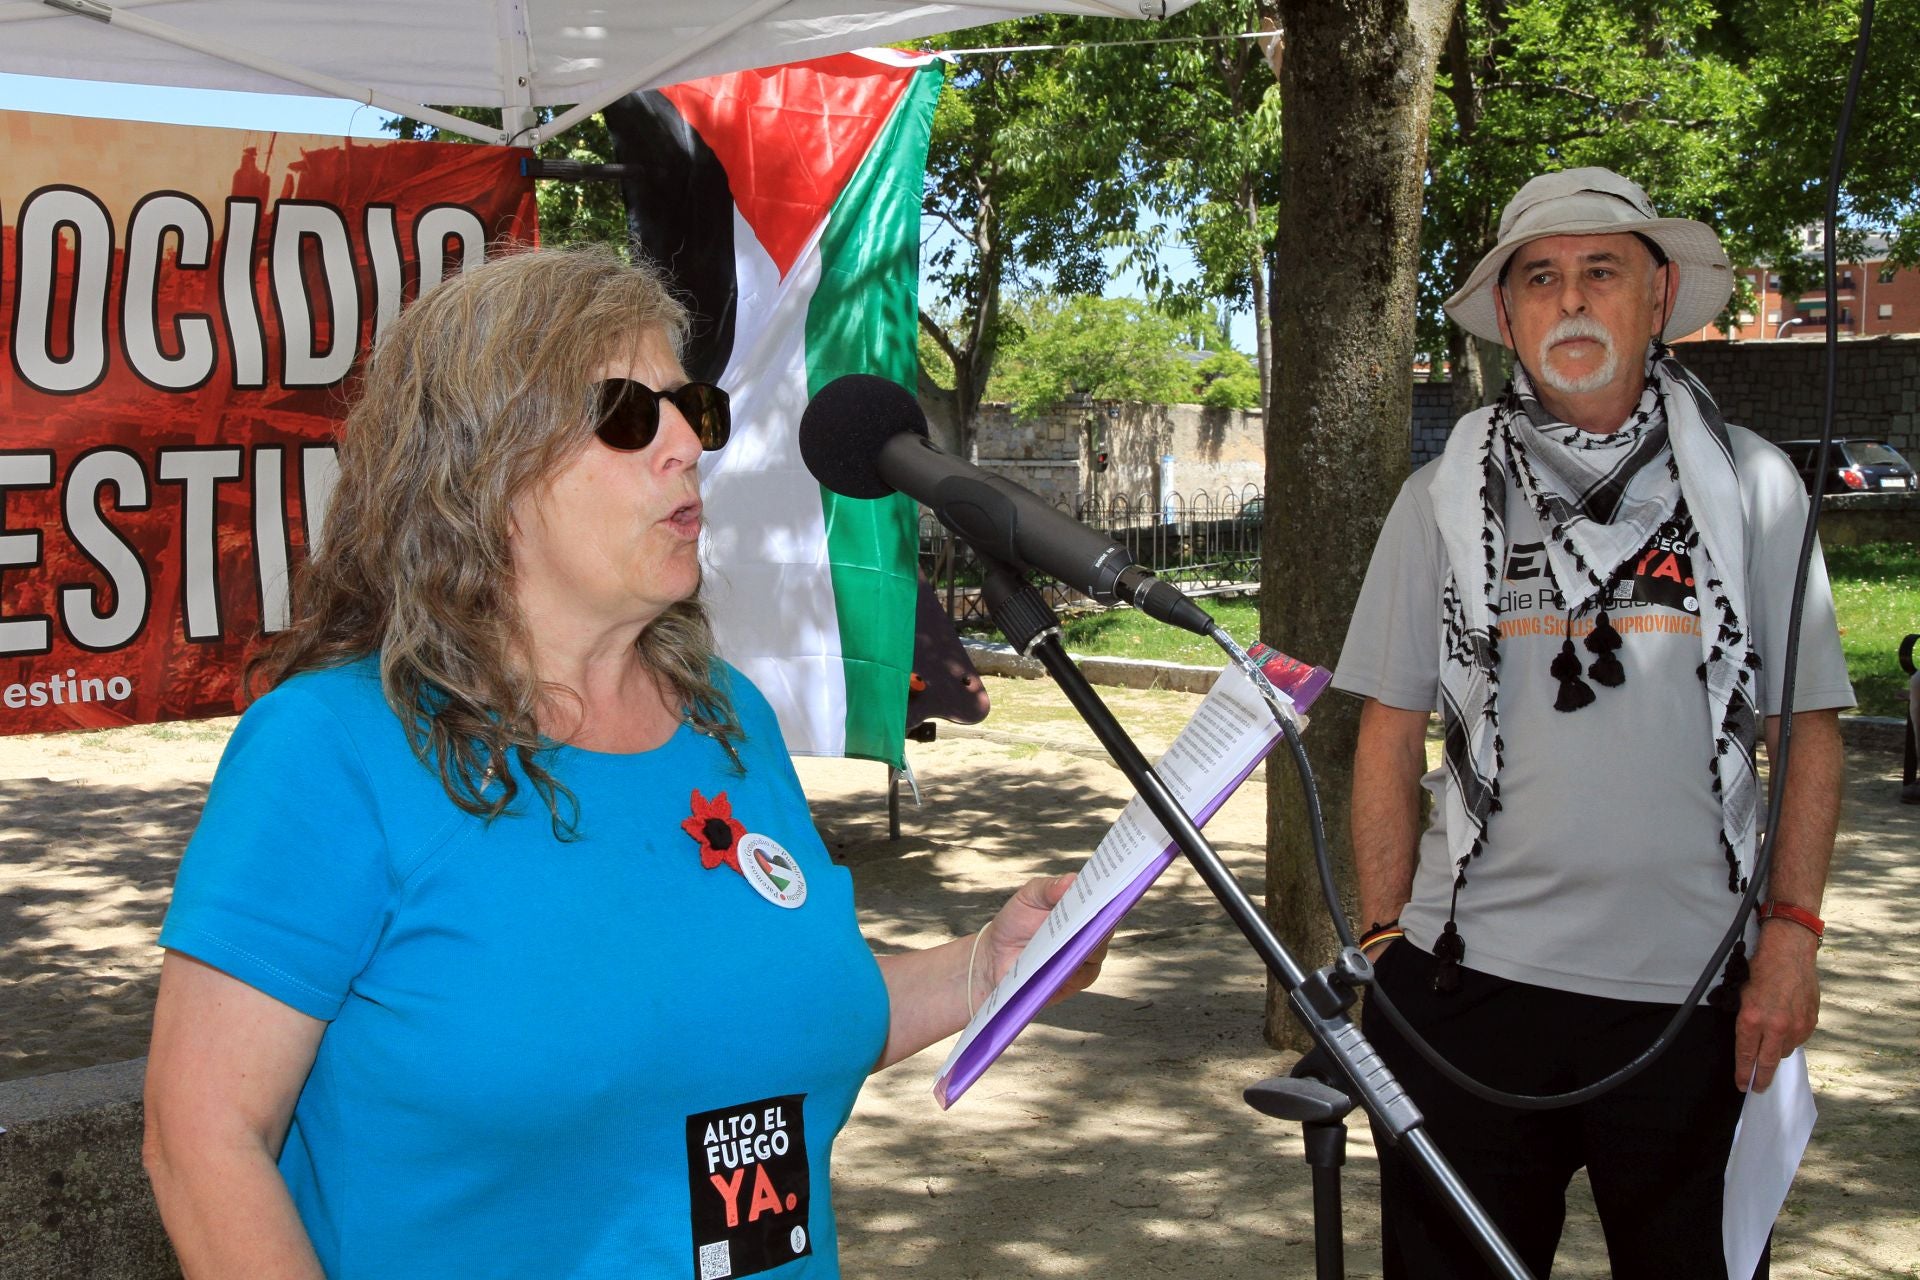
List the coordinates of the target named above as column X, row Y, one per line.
column 719, row 835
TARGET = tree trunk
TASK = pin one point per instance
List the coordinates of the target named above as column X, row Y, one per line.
column 1466, row 381
column 1262, row 316
column 943, row 415
column 969, row 389
column 1479, row 369
column 1357, row 85
column 1496, row 366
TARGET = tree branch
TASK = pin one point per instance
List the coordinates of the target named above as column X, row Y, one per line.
column 931, row 327
column 1464, row 90
column 1580, row 95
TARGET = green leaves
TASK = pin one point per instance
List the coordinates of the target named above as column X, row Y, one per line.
column 570, row 212
column 1528, row 86
column 1043, row 163
column 1203, row 115
column 1800, row 56
column 1117, row 349
column 1723, row 114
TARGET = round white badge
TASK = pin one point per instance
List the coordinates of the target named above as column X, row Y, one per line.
column 773, row 872
column 798, row 1239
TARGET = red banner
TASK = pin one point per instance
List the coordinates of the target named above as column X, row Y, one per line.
column 184, row 312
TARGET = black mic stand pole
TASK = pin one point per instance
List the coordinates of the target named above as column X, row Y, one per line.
column 1320, row 1000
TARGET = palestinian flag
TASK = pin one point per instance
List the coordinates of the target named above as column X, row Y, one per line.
column 785, row 203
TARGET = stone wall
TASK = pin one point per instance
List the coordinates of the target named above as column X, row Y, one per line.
column 1849, row 519
column 74, row 1200
column 1774, row 388
column 1215, row 452
column 1432, row 419
column 1047, row 454
column 1777, row 388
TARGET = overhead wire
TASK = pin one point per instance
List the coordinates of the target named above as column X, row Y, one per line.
column 1103, row 44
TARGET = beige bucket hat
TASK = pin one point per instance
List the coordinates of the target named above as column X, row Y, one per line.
column 1593, row 202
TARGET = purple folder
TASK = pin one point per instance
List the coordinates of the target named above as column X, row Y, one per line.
column 1300, row 681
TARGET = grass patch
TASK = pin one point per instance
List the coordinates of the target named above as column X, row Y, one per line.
column 1876, row 594
column 1128, row 633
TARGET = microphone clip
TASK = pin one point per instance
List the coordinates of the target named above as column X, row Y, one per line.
column 1017, row 606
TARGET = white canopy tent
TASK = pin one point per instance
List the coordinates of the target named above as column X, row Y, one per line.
column 513, row 54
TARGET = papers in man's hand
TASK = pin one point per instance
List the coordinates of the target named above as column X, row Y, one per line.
column 1228, row 736
column 1767, row 1146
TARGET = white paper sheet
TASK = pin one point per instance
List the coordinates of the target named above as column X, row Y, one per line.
column 1767, row 1146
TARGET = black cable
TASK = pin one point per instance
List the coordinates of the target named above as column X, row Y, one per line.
column 1777, row 762
column 1290, row 730
column 1317, row 826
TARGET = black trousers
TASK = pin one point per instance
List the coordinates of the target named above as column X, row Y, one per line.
column 1655, row 1149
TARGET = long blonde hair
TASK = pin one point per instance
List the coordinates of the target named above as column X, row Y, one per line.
column 474, row 395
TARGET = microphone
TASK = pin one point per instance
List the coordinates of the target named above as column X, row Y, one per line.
column 865, row 437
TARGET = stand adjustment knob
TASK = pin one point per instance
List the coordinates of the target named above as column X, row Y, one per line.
column 1305, row 1101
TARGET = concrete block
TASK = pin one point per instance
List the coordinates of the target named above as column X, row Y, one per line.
column 74, row 1201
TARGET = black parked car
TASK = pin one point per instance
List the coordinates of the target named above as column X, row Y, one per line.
column 1854, row 466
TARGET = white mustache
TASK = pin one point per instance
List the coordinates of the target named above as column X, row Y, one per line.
column 1578, row 326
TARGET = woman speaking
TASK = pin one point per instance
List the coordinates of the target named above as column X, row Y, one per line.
column 506, row 945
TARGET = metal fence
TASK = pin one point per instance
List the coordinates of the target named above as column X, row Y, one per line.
column 1204, row 542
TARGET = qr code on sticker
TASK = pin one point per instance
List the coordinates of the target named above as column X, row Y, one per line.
column 716, row 1261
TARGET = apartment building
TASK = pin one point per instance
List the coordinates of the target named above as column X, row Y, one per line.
column 1869, row 298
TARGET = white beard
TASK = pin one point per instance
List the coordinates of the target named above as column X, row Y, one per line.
column 1578, row 327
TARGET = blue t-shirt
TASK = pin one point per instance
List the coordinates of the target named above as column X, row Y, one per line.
column 544, row 1058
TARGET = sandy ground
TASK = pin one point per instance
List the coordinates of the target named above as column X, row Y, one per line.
column 1111, row 1140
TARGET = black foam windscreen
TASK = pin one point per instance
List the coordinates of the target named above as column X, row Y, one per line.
column 847, row 424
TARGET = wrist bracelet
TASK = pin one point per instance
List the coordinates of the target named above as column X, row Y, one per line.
column 1382, row 932
column 1772, row 909
column 973, row 954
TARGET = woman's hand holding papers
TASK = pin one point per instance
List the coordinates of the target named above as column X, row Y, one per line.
column 1010, row 931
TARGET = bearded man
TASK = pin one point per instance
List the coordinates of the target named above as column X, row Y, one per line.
column 1592, row 586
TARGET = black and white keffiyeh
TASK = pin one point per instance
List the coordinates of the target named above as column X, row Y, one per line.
column 1599, row 499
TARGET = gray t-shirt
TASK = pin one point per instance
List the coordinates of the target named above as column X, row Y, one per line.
column 1602, row 873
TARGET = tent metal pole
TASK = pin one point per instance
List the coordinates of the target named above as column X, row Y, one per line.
column 659, row 69
column 517, row 115
column 128, row 21
column 1132, row 13
column 518, row 122
column 36, row 10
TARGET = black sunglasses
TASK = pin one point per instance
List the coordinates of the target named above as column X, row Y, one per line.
column 630, row 413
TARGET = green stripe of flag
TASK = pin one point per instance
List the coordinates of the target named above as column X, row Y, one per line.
column 864, row 318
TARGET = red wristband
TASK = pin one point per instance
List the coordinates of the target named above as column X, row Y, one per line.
column 1775, row 910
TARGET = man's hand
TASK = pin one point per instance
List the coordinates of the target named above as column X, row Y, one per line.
column 1781, row 1001
column 1779, row 1004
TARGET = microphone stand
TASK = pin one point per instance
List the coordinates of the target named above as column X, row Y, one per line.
column 1320, row 999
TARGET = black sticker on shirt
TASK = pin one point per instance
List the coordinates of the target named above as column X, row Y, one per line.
column 1663, row 571
column 1660, row 575
column 747, row 1172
